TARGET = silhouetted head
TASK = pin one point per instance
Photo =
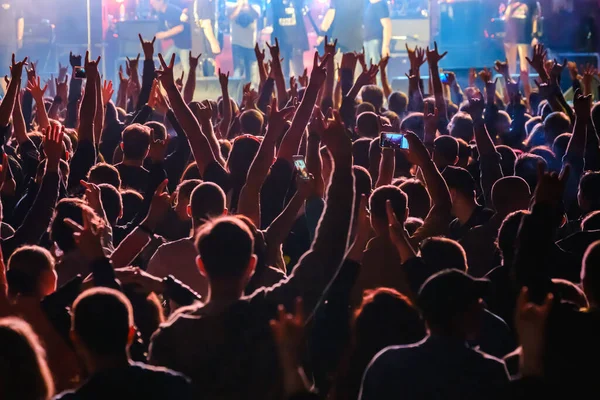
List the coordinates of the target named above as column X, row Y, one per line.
column 510, row 194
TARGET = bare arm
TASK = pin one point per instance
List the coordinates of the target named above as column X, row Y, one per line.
column 87, row 113
column 386, row 167
column 277, row 70
column 226, row 121
column 99, row 117
column 385, row 83
column 8, row 102
column 433, row 58
column 19, row 125
column 387, row 36
column 190, row 84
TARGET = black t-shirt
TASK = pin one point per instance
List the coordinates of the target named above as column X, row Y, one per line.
column 138, row 381
column 374, row 13
column 288, row 24
column 172, row 18
column 134, row 177
column 480, row 216
column 350, row 36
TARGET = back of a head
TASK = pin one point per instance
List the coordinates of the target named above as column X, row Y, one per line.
column 225, row 246
column 559, row 147
column 502, row 123
column 460, row 180
column 508, row 159
column 207, row 201
column 461, row 127
column 532, row 124
column 102, row 319
column 367, row 125
column 105, row 173
column 440, row 253
column 507, row 235
column 589, row 192
column 242, row 154
column 24, row 372
column 526, row 167
column 112, row 202
column 379, row 198
column 556, row 124
column 384, row 318
column 414, row 122
column 464, row 153
column 60, row 232
column 360, row 151
column 398, row 103
column 252, row 122
column 159, row 130
column 510, row 194
column 184, row 189
column 373, row 94
column 30, row 272
column 419, row 202
column 363, row 108
column 363, row 183
column 553, row 163
column 590, row 273
column 136, row 142
column 569, row 292
column 537, row 137
column 445, row 151
column 591, row 222
column 132, row 201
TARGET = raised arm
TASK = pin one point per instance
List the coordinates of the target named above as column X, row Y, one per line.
column 249, row 201
column 331, row 49
column 201, row 149
column 148, row 75
column 8, row 102
column 260, row 59
column 87, row 114
column 385, row 83
column 37, row 92
column 277, row 70
column 226, row 121
column 99, row 117
column 576, row 148
column 293, row 137
column 314, row 162
column 190, row 84
column 433, row 58
column 317, row 268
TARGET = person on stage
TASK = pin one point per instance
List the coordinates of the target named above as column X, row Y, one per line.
column 289, row 29
column 12, row 27
column 205, row 17
column 378, row 30
column 244, row 17
column 522, row 21
column 175, row 25
column 336, row 24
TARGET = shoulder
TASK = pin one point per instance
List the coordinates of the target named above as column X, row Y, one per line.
column 394, row 356
column 494, row 366
column 162, row 372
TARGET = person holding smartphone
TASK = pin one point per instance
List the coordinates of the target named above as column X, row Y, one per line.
column 175, row 25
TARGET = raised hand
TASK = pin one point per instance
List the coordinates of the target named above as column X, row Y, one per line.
column 433, row 56
column 337, row 140
column 330, row 47
column 367, row 76
column 179, row 81
column 485, row 75
column 74, row 60
column 349, row 61
column 133, row 64
column 551, row 186
column 317, row 122
column 431, row 120
column 194, row 61
column 223, row 79
column 91, row 66
column 582, row 105
column 573, row 71
column 62, row 71
column 62, row 88
column 89, row 236
column 502, row 68
column 476, row 107
column 589, row 72
column 157, row 101
column 274, row 50
column 203, row 111
column 34, row 87
column 165, row 75
column 16, row 68
column 360, row 58
column 93, row 196
column 260, row 55
column 32, row 72
column 557, row 69
column 417, row 152
column 538, row 59
column 293, row 87
column 278, row 118
column 383, row 63
column 416, row 57
column 53, row 146
column 107, row 91
column 513, row 90
column 319, row 72
column 161, row 203
column 396, row 229
column 147, row 47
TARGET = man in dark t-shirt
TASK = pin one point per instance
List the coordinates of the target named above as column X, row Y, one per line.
column 378, row 30
column 174, row 25
column 289, row 29
column 335, row 24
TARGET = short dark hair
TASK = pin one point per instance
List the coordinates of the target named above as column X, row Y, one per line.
column 367, row 124
column 207, row 201
column 526, row 167
column 398, row 103
column 251, row 122
column 460, row 180
column 184, row 189
column 419, row 202
column 25, row 268
column 159, row 130
column 508, row 157
column 559, row 147
column 549, row 156
column 225, row 245
column 380, row 197
column 414, row 122
column 136, row 141
column 132, row 201
column 589, row 189
column 364, row 107
column 112, row 202
column 373, row 94
column 60, row 232
column 242, row 154
column 102, row 319
column 105, row 173
column 363, row 184
column 556, row 124
column 440, row 253
column 461, row 127
column 507, row 236
column 446, row 147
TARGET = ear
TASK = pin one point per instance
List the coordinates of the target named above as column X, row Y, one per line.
column 251, row 267
column 226, row 212
column 130, row 335
column 200, row 266
column 455, row 161
column 189, row 210
column 121, row 146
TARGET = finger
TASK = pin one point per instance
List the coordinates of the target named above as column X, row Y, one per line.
column 161, row 188
column 299, row 310
column 391, row 216
column 73, row 225
column 153, row 39
column 162, row 61
column 172, row 63
column 281, row 313
column 141, row 39
column 316, row 59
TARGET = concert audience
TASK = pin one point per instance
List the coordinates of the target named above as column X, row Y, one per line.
column 150, row 247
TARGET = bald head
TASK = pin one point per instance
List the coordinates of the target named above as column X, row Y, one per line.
column 510, row 194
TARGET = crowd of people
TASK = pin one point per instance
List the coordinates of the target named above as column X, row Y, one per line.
column 157, row 247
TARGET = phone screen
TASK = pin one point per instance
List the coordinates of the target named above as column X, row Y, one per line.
column 393, row 140
column 80, row 73
column 300, row 165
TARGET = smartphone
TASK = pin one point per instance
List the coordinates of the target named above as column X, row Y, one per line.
column 300, row 165
column 444, row 77
column 80, row 73
column 393, row 140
